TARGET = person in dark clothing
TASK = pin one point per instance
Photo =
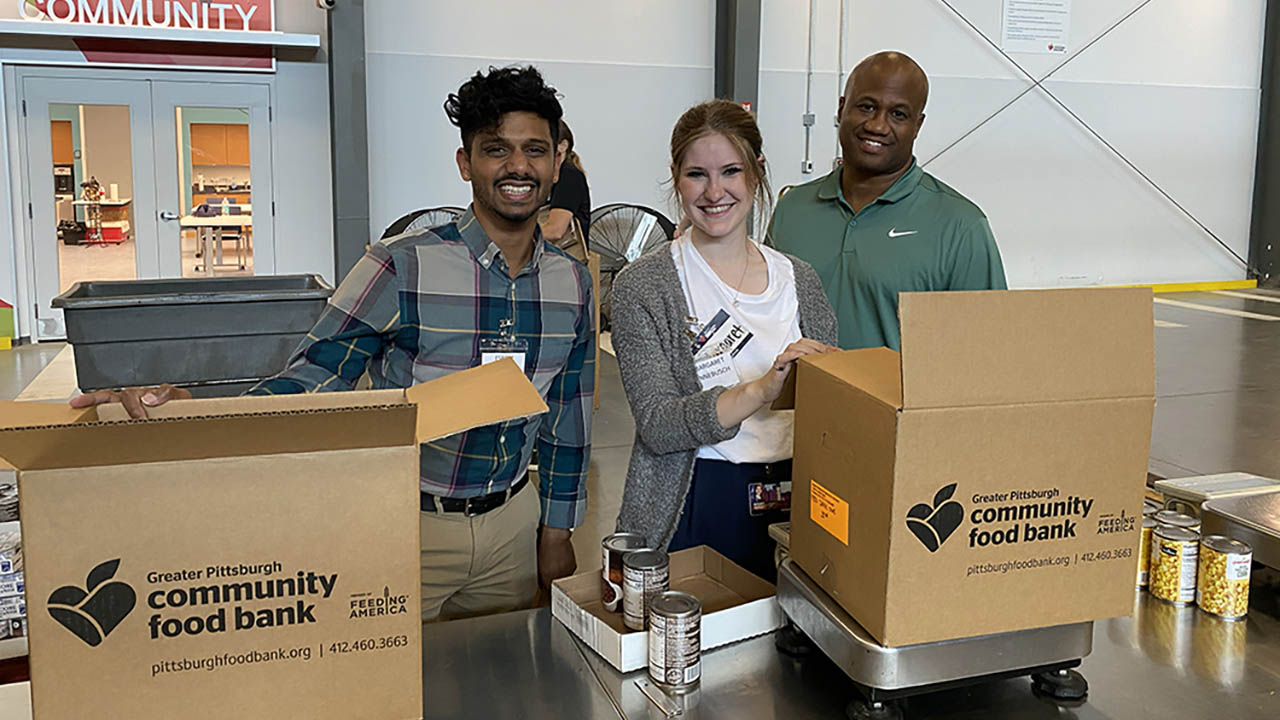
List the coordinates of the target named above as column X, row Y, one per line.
column 570, row 197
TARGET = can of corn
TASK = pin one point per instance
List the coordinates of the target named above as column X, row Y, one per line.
column 1177, row 519
column 1222, row 587
column 1144, row 552
column 1173, row 571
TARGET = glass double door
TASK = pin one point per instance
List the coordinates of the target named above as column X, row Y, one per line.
column 142, row 177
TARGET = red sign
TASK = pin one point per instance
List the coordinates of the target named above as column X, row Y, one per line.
column 184, row 14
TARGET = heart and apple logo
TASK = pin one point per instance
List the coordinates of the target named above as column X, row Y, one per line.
column 933, row 524
column 92, row 612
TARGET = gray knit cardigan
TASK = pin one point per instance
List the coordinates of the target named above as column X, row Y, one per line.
column 674, row 415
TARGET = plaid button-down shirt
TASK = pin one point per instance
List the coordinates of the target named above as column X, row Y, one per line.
column 416, row 307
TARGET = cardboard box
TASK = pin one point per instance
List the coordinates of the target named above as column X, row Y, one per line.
column 736, row 605
column 257, row 555
column 987, row 479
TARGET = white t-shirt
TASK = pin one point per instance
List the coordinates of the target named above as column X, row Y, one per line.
column 739, row 342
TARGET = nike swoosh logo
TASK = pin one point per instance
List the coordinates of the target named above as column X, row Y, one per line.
column 895, row 234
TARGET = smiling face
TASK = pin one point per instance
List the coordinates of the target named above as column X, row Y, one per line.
column 714, row 186
column 511, row 168
column 881, row 114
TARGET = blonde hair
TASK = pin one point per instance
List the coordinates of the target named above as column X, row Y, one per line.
column 736, row 125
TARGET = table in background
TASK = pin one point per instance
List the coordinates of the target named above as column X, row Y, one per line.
column 209, row 236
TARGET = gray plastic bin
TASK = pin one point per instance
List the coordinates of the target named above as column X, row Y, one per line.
column 216, row 336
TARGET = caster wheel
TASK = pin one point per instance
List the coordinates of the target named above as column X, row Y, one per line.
column 792, row 642
column 1060, row 685
column 875, row 710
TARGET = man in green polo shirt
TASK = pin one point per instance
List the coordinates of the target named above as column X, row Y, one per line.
column 880, row 225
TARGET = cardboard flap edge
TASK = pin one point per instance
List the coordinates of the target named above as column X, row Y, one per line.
column 483, row 395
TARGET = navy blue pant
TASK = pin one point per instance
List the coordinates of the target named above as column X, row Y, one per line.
column 717, row 513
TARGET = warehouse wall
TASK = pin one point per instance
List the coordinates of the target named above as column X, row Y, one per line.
column 300, row 159
column 626, row 72
column 1174, row 88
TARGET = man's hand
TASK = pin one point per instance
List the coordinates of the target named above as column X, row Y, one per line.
column 135, row 400
column 555, row 556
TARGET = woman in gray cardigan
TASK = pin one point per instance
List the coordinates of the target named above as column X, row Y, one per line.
column 706, row 330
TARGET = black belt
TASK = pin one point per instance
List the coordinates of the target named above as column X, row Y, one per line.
column 471, row 507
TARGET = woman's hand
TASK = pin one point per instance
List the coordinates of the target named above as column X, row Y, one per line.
column 772, row 382
column 744, row 400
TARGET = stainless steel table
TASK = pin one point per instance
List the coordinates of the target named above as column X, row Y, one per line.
column 1254, row 519
column 1163, row 662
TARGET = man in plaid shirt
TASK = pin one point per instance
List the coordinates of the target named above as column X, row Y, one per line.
column 430, row 302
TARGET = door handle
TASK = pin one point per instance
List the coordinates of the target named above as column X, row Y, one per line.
column 167, row 215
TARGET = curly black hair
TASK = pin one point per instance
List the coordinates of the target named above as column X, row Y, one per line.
column 482, row 101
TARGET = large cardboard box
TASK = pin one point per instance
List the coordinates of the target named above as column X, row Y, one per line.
column 736, row 605
column 987, row 479
column 250, row 556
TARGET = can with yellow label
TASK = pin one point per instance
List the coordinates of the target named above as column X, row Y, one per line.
column 1144, row 551
column 1222, row 588
column 1173, row 575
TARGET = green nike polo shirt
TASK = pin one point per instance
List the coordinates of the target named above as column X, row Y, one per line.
column 919, row 236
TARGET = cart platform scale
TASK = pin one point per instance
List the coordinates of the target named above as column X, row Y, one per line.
column 884, row 675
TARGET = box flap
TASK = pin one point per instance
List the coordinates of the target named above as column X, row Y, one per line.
column 875, row 371
column 15, row 414
column 193, row 438
column 258, row 404
column 1007, row 347
column 473, row 398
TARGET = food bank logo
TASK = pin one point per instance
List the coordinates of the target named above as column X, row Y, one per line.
column 933, row 524
column 92, row 612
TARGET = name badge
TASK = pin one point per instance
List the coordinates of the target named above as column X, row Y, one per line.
column 717, row 371
column 765, row 497
column 494, row 350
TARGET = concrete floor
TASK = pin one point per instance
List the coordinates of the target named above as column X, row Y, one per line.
column 1217, row 381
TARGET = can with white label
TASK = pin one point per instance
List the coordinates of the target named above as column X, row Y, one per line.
column 614, row 547
column 1173, row 576
column 1222, row 587
column 1144, row 551
column 675, row 642
column 645, row 574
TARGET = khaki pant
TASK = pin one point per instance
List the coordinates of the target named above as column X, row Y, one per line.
column 480, row 565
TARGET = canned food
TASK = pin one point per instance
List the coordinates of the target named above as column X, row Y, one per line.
column 1150, row 507
column 645, row 573
column 675, row 641
column 1222, row 588
column 1144, row 552
column 614, row 547
column 1173, row 575
column 1177, row 519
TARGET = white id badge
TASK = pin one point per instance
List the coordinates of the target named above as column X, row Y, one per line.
column 716, row 371
column 492, row 350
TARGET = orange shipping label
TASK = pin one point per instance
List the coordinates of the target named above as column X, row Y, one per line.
column 829, row 511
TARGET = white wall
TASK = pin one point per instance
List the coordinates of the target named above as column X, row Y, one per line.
column 300, row 143
column 626, row 71
column 106, row 150
column 1175, row 88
